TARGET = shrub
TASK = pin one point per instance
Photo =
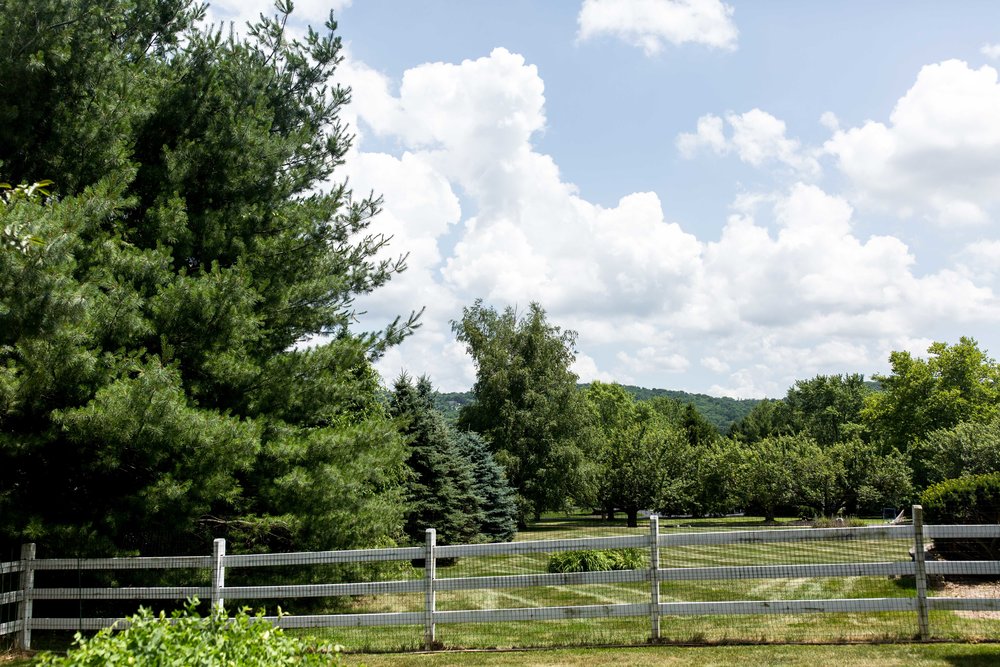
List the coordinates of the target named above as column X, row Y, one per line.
column 964, row 500
column 597, row 561
column 185, row 638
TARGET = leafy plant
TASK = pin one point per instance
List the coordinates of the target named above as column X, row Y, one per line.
column 597, row 561
column 186, row 638
column 965, row 500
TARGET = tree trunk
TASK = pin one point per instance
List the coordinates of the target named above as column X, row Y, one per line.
column 633, row 517
column 609, row 512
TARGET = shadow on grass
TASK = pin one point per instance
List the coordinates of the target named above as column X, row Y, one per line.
column 988, row 659
column 575, row 522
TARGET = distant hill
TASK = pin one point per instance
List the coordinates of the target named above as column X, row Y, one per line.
column 720, row 412
column 449, row 403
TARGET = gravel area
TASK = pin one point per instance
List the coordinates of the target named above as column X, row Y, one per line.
column 990, row 589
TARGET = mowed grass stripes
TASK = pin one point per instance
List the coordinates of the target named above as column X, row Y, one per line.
column 696, row 629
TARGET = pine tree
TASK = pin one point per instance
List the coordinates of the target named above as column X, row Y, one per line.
column 153, row 392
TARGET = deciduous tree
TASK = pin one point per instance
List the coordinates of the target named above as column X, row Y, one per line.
column 527, row 404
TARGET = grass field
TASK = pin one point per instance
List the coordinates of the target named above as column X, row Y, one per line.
column 699, row 629
column 880, row 655
column 870, row 655
column 714, row 633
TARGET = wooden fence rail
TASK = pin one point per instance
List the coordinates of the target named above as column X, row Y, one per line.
column 217, row 592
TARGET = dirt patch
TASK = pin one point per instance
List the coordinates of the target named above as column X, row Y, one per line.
column 989, row 589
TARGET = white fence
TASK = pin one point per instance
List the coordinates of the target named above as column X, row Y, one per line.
column 655, row 575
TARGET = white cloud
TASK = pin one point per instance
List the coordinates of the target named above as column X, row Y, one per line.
column 789, row 289
column 710, row 134
column 758, row 139
column 714, row 364
column 980, row 261
column 829, row 120
column 937, row 157
column 586, row 370
column 991, row 51
column 648, row 24
column 811, row 297
column 655, row 360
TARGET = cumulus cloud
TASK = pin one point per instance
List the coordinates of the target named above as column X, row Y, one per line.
column 757, row 138
column 714, row 364
column 788, row 289
column 649, row 24
column 991, row 51
column 586, row 370
column 980, row 261
column 936, row 157
column 420, row 208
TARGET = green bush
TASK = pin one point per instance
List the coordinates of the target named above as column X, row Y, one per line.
column 185, row 638
column 964, row 500
column 597, row 561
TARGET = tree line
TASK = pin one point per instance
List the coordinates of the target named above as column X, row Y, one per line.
column 179, row 262
column 835, row 444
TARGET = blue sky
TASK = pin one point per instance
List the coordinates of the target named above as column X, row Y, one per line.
column 720, row 197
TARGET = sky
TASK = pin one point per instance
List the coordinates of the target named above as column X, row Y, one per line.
column 718, row 197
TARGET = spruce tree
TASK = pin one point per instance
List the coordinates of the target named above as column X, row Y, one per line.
column 497, row 500
column 154, row 389
column 440, row 493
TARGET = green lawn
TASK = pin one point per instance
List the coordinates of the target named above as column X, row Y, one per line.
column 874, row 655
column 700, row 629
column 877, row 655
column 705, row 630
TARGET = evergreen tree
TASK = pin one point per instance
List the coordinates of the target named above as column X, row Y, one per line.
column 441, row 491
column 152, row 395
column 497, row 500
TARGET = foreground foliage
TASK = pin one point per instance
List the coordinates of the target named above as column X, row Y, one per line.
column 188, row 639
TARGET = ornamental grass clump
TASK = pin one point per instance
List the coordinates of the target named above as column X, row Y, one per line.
column 187, row 639
column 597, row 561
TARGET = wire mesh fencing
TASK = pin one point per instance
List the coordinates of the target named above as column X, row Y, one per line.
column 10, row 587
column 574, row 581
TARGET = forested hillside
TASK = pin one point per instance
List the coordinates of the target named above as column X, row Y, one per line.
column 721, row 412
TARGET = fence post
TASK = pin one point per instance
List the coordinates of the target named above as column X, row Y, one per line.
column 920, row 572
column 27, row 594
column 218, row 574
column 654, row 576
column 430, row 599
